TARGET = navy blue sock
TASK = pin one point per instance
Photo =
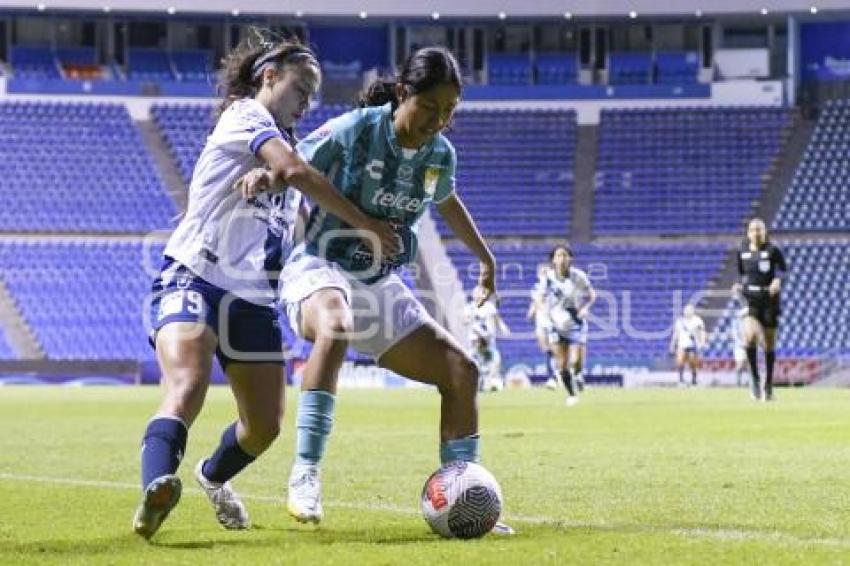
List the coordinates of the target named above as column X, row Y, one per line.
column 228, row 459
column 163, row 447
column 550, row 372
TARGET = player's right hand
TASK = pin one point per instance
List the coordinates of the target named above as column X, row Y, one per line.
column 253, row 183
column 385, row 238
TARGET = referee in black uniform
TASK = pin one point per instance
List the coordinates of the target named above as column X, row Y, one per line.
column 760, row 265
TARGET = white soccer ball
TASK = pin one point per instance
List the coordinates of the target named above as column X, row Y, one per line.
column 461, row 500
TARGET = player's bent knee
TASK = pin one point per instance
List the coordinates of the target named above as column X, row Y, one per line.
column 259, row 436
column 462, row 379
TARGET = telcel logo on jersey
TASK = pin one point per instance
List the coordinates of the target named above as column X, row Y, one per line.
column 399, row 201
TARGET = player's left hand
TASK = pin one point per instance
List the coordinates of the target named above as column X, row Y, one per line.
column 487, row 280
column 775, row 287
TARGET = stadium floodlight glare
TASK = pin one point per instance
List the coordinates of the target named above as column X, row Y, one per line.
column 698, row 13
column 299, row 14
column 106, row 9
column 813, row 9
column 764, row 12
column 363, row 15
column 568, row 15
column 41, row 7
column 633, row 14
column 435, row 16
column 502, row 15
column 171, row 10
column 235, row 12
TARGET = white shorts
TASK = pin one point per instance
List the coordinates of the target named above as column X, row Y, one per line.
column 542, row 324
column 740, row 355
column 384, row 312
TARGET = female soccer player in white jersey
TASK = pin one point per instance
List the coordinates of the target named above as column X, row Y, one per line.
column 215, row 295
column 538, row 312
column 568, row 295
column 686, row 342
column 391, row 159
column 485, row 324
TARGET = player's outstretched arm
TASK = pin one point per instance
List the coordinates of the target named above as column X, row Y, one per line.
column 287, row 168
column 457, row 217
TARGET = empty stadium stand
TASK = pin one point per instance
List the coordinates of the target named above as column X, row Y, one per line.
column 6, row 351
column 684, row 171
column 818, row 199
column 515, row 170
column 77, row 167
column 83, row 300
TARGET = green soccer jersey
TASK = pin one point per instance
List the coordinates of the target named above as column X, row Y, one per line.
column 359, row 153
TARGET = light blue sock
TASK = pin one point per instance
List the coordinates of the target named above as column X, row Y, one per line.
column 314, row 423
column 465, row 449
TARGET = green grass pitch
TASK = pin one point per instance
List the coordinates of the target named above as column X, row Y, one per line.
column 628, row 477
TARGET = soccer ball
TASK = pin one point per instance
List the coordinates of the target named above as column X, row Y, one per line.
column 461, row 500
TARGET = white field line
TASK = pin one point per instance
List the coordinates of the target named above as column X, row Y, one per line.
column 718, row 533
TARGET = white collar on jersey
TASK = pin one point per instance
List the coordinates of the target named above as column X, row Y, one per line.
column 392, row 139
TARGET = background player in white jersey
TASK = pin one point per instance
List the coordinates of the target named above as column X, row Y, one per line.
column 215, row 295
column 686, row 342
column 538, row 312
column 568, row 296
column 485, row 326
column 391, row 159
column 739, row 343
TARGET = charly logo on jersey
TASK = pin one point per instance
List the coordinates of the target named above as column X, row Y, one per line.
column 375, row 168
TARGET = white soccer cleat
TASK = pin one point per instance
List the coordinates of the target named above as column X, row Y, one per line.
column 158, row 499
column 229, row 509
column 502, row 529
column 304, row 501
column 572, row 400
column 551, row 384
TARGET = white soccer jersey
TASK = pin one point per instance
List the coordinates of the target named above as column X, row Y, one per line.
column 235, row 244
column 564, row 293
column 737, row 332
column 482, row 321
column 688, row 331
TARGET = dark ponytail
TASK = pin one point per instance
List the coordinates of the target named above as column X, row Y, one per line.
column 242, row 69
column 425, row 69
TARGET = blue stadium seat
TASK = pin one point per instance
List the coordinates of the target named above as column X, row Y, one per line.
column 683, row 171
column 818, row 199
column 84, row 167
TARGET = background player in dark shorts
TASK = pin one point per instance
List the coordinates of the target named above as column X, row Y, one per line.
column 760, row 265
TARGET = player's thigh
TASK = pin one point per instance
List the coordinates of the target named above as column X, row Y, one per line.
column 576, row 355
column 560, row 351
column 431, row 355
column 326, row 313
column 752, row 330
column 185, row 352
column 769, row 339
column 681, row 356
